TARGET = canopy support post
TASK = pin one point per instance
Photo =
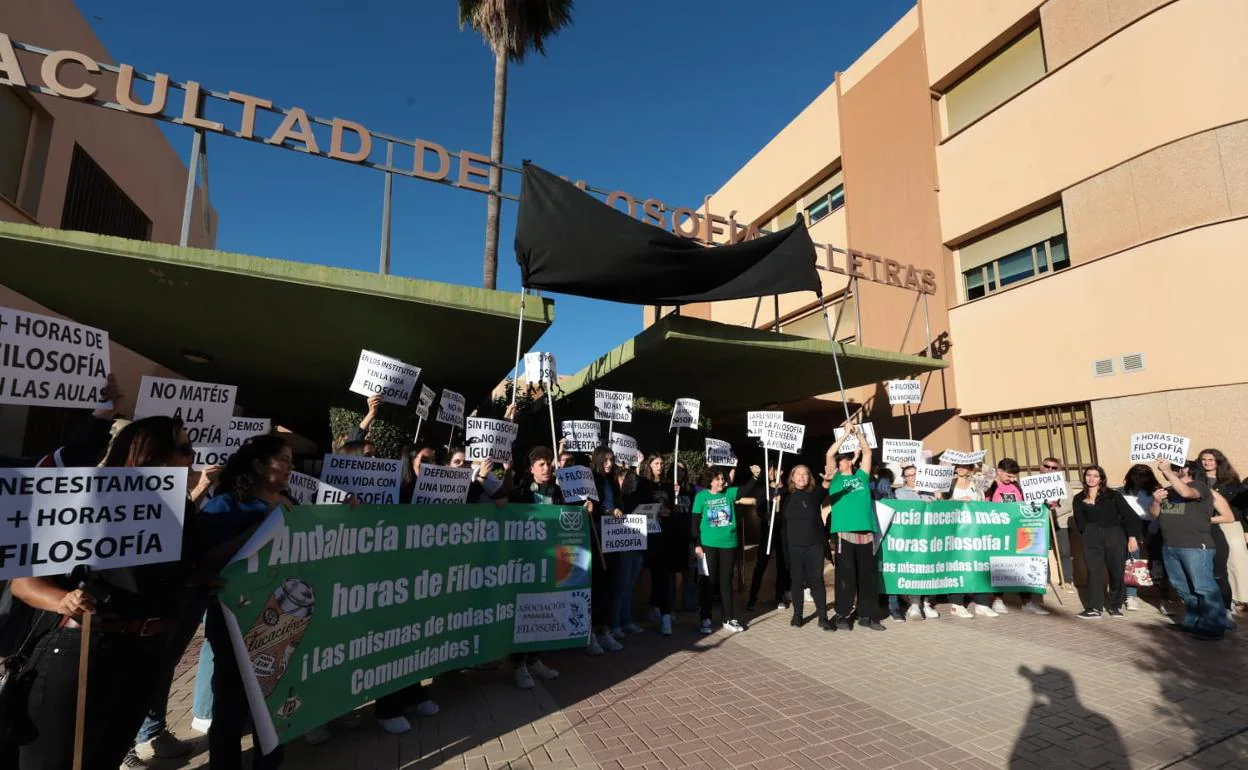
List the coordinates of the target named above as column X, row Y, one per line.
column 515, row 380
column 775, row 298
column 836, row 359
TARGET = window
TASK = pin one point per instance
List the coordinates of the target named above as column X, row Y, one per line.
column 1015, row 67
column 16, row 118
column 826, row 205
column 1029, row 436
column 95, row 204
column 1034, row 247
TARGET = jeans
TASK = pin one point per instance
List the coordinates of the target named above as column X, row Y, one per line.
column 191, row 616
column 1190, row 571
column 201, row 704
column 623, row 583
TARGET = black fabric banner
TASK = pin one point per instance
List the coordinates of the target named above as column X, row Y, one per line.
column 568, row 241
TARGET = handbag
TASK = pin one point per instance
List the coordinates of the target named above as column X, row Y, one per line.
column 1137, row 574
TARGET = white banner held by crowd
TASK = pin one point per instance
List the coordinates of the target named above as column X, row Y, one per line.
column 1147, row 447
column 625, row 534
column 243, row 428
column 390, row 378
column 756, row 421
column 451, row 408
column 1044, row 486
column 851, row 443
column 954, row 457
column 685, row 413
column 576, row 483
column 54, row 519
column 905, row 392
column 613, row 405
column 581, row 435
column 720, row 453
column 784, row 436
column 426, row 400
column 489, row 439
column 48, row 361
column 539, row 368
column 438, row 484
column 624, row 448
column 205, row 408
column 933, row 478
column 373, row 480
column 902, row 451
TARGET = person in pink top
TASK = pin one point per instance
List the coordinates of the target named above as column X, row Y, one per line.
column 1005, row 489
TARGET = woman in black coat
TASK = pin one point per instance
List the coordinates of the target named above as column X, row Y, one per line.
column 805, row 536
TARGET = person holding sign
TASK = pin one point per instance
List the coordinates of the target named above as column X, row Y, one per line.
column 853, row 525
column 606, row 572
column 1110, row 529
column 805, row 523
column 627, row 568
column 666, row 549
column 1005, row 489
column 716, row 536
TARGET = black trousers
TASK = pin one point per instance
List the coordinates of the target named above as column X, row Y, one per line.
column 857, row 576
column 1105, row 551
column 761, row 559
column 599, row 591
column 119, row 684
column 229, row 704
column 1221, row 555
column 806, row 570
column 662, row 581
column 719, row 562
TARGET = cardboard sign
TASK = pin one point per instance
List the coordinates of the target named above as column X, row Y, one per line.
column 581, row 435
column 373, row 480
column 756, row 421
column 625, row 449
column 902, row 451
column 784, row 437
column 933, row 478
column 426, row 401
column 451, row 408
column 905, row 392
column 48, row 361
column 390, row 378
column 1044, row 486
column 613, row 405
column 206, row 456
column 243, row 428
column 440, row 485
column 576, row 483
column 685, row 413
column 1013, row 571
column 720, row 453
column 624, row 534
column 307, row 490
column 954, row 457
column 651, row 512
column 488, row 439
column 851, row 443
column 205, row 408
column 1147, row 447
column 540, row 368
column 55, row 519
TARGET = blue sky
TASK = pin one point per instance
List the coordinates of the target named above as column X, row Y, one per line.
column 659, row 98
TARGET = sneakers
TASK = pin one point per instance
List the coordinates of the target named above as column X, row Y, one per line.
column 897, row 616
column 395, row 725
column 163, row 746
column 706, row 627
column 872, row 624
column 201, row 725
column 1114, row 612
column 987, row 612
column 317, row 735
column 633, row 628
column 843, row 624
column 733, row 626
column 132, row 761
column 1133, row 604
column 618, row 633
column 542, row 671
column 654, row 614
column 608, row 643
column 782, row 605
column 958, row 611
column 593, row 647
column 427, row 708
column 998, row 606
column 665, row 625
column 914, row 613
column 929, row 612
column 1089, row 615
column 1036, row 608
column 524, row 679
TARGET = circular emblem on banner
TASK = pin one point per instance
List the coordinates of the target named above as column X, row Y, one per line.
column 1032, row 512
column 571, row 519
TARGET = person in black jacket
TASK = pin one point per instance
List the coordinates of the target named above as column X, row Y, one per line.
column 805, row 535
column 764, row 554
column 1109, row 529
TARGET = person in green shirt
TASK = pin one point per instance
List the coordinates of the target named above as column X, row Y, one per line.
column 852, row 523
column 716, row 538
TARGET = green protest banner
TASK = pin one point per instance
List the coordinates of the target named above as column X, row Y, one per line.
column 943, row 547
column 330, row 608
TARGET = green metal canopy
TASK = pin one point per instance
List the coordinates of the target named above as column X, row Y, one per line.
column 731, row 369
column 288, row 334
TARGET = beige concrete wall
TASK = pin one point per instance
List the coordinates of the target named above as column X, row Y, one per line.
column 1073, row 26
column 1208, row 416
column 956, row 32
column 1035, row 344
column 881, row 49
column 1176, row 72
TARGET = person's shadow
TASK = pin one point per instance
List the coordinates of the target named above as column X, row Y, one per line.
column 1054, row 702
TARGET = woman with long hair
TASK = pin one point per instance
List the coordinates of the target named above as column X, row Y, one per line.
column 604, row 568
column 805, row 534
column 717, row 538
column 654, row 488
column 965, row 489
column 1230, row 564
column 1110, row 530
column 1137, row 489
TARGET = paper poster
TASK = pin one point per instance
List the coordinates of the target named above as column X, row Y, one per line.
column 539, row 368
column 651, row 512
column 373, row 480
column 47, row 361
column 576, row 483
column 784, row 437
column 1012, row 571
column 954, row 457
column 55, row 519
column 205, row 408
column 451, row 408
column 905, row 392
column 902, row 451
column 243, row 428
column 305, row 489
column 440, row 485
column 756, row 421
column 426, row 400
column 851, row 443
column 720, row 453
column 206, row 456
column 1043, row 487
column 581, row 435
column 628, row 533
column 390, row 378
column 1147, row 447
column 489, row 439
column 933, row 478
column 685, row 413
column 613, row 405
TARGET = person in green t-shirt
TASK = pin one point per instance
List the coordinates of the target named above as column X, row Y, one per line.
column 715, row 525
column 853, row 524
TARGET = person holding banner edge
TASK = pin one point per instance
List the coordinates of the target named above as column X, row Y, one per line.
column 853, row 525
column 716, row 537
column 968, row 605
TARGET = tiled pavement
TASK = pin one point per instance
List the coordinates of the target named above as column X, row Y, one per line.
column 1018, row 691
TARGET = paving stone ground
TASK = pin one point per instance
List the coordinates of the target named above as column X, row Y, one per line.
column 1018, row 691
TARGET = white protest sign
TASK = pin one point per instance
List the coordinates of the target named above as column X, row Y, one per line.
column 628, row 533
column 1020, row 571
column 720, row 453
column 1147, row 447
column 426, row 401
column 651, row 512
column 851, row 443
column 933, row 478
column 373, row 480
column 305, row 489
column 1044, row 486
column 438, row 484
column 905, row 392
column 755, row 422
column 954, row 457
column 902, row 451
column 613, row 405
column 205, row 408
column 489, row 439
column 685, row 413
column 576, row 483
column 51, row 362
column 243, row 428
column 212, row 455
column 540, row 368
column 451, row 408
column 784, row 436
column 551, row 617
column 625, row 449
column 581, row 435
column 55, row 519
column 390, row 378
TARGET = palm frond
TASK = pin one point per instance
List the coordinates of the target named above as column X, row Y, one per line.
column 513, row 28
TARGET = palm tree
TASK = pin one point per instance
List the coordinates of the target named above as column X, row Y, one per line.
column 511, row 28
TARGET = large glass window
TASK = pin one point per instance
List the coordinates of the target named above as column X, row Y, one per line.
column 1062, row 431
column 1022, row 251
column 826, row 204
column 1015, row 67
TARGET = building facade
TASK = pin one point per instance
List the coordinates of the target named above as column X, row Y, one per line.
column 1075, row 175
